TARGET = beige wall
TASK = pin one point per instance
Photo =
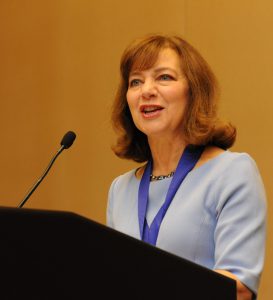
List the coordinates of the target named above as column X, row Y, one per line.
column 59, row 70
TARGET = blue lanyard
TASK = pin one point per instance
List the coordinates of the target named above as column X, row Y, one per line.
column 186, row 163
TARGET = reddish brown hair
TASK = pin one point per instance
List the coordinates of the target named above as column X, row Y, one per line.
column 201, row 124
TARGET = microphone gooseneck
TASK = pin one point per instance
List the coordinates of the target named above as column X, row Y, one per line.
column 66, row 142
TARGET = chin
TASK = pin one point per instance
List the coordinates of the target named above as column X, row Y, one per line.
column 154, row 133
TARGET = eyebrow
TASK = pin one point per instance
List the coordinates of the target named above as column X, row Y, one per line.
column 157, row 70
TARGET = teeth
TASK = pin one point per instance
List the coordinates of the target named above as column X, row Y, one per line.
column 150, row 109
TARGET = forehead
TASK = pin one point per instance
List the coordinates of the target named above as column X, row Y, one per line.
column 168, row 56
column 164, row 58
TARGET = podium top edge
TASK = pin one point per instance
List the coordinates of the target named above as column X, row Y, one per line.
column 41, row 211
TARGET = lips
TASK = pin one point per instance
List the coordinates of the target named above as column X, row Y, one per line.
column 149, row 109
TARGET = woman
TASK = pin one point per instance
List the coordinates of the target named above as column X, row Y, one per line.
column 192, row 197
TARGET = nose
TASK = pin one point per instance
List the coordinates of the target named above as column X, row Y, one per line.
column 148, row 89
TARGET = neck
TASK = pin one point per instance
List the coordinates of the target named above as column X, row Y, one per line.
column 166, row 153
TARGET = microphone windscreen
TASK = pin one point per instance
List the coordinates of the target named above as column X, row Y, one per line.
column 68, row 139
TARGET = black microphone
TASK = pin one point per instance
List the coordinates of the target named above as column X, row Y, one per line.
column 66, row 142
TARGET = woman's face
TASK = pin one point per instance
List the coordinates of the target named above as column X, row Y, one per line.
column 157, row 97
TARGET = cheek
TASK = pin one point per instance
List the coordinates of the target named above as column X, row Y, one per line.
column 131, row 100
column 178, row 104
column 128, row 101
column 178, row 97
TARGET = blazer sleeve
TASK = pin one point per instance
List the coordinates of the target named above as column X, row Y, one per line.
column 240, row 233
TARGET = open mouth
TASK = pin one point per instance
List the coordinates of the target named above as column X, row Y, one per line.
column 150, row 109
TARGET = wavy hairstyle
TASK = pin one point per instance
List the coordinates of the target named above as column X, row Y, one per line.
column 201, row 125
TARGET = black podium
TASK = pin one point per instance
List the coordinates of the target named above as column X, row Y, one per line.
column 62, row 255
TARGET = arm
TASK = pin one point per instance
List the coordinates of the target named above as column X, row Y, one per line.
column 240, row 231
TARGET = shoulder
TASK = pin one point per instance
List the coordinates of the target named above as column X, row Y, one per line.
column 122, row 197
column 239, row 182
column 120, row 189
column 227, row 161
column 212, row 152
column 240, row 165
column 124, row 180
column 237, row 169
column 230, row 177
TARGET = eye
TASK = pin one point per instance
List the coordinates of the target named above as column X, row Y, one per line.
column 134, row 82
column 166, row 77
